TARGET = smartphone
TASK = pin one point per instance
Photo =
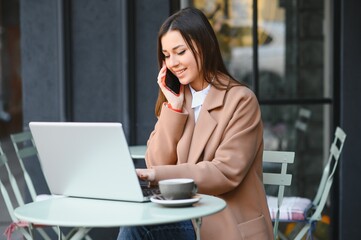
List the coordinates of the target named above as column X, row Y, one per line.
column 172, row 82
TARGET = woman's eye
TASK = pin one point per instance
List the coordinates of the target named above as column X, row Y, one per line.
column 182, row 52
column 166, row 56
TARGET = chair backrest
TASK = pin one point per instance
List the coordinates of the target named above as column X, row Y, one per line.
column 281, row 179
column 25, row 149
column 328, row 173
column 5, row 194
column 304, row 116
column 13, row 183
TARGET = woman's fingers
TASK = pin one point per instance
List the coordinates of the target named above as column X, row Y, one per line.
column 145, row 174
column 161, row 75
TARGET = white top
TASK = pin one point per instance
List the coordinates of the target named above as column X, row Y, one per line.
column 198, row 99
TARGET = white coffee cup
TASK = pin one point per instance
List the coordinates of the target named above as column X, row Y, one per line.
column 177, row 188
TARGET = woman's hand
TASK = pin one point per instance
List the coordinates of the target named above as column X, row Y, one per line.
column 175, row 101
column 146, row 174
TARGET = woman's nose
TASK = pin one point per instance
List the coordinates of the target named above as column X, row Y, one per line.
column 173, row 61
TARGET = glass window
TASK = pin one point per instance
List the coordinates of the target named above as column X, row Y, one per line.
column 293, row 74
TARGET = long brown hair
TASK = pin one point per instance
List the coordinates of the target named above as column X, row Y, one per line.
column 198, row 33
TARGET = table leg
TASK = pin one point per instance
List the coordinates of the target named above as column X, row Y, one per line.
column 31, row 231
column 197, row 225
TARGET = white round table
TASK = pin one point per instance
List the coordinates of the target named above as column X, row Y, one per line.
column 83, row 212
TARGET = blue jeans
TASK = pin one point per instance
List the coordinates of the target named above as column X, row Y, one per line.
column 172, row 231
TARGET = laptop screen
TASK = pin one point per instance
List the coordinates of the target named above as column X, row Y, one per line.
column 89, row 160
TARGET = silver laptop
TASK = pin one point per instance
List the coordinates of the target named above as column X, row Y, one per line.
column 90, row 160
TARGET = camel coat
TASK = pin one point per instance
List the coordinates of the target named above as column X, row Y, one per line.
column 222, row 152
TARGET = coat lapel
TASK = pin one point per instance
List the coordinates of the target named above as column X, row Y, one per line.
column 205, row 124
column 185, row 142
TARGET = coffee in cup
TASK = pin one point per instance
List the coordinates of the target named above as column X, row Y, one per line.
column 177, row 188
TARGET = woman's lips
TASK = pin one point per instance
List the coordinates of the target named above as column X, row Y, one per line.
column 179, row 73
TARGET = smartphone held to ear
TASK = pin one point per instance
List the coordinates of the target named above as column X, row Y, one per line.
column 172, row 83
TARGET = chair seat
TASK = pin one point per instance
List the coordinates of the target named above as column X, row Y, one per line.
column 292, row 208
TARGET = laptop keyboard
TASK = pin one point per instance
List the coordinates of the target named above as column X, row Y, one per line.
column 150, row 191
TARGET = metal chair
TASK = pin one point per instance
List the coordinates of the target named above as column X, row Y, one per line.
column 138, row 151
column 24, row 228
column 26, row 150
column 304, row 116
column 312, row 212
column 280, row 179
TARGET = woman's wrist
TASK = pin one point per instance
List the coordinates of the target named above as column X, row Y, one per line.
column 174, row 109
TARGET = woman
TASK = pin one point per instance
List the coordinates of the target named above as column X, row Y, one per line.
column 211, row 132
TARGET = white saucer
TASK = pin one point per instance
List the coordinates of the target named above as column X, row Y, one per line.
column 176, row 203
